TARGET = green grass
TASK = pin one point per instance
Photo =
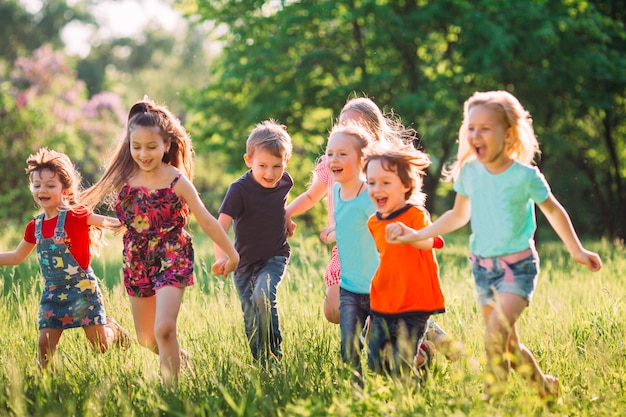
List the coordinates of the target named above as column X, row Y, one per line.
column 574, row 326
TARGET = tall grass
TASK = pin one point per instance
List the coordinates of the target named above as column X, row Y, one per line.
column 575, row 327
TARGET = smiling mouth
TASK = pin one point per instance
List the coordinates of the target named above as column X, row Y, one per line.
column 479, row 150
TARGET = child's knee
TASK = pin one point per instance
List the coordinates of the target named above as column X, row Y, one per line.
column 165, row 330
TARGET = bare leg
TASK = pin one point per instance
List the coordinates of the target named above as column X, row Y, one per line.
column 504, row 351
column 144, row 311
column 168, row 301
column 331, row 304
column 48, row 342
column 100, row 336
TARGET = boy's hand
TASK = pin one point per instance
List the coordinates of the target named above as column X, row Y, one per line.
column 229, row 267
column 291, row 227
column 399, row 233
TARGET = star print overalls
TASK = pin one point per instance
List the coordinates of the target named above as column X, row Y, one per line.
column 71, row 295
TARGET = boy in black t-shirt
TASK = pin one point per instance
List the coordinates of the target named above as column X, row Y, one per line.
column 255, row 206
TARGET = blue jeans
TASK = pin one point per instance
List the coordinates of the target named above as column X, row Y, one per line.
column 257, row 288
column 353, row 310
column 403, row 334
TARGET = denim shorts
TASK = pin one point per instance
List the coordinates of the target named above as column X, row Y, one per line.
column 489, row 282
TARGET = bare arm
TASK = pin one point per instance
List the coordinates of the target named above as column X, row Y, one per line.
column 218, row 267
column 209, row 224
column 562, row 225
column 103, row 221
column 308, row 199
column 451, row 220
column 20, row 253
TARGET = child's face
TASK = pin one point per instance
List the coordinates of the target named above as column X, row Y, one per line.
column 267, row 168
column 147, row 147
column 343, row 158
column 47, row 189
column 385, row 188
column 488, row 135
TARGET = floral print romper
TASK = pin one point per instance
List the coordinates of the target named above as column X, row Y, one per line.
column 71, row 296
column 157, row 250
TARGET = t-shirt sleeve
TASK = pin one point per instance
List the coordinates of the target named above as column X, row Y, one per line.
column 459, row 184
column 29, row 233
column 539, row 189
column 233, row 202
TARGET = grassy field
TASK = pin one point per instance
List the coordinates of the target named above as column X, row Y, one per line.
column 575, row 326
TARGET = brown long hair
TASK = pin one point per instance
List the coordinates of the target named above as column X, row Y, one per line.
column 144, row 113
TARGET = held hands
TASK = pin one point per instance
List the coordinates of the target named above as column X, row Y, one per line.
column 399, row 233
column 224, row 266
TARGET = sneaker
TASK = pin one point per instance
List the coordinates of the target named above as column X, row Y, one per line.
column 425, row 355
column 122, row 336
column 452, row 349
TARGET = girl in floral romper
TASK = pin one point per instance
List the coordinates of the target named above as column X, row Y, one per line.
column 150, row 174
column 64, row 233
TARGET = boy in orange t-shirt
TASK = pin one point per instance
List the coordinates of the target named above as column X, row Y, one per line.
column 405, row 290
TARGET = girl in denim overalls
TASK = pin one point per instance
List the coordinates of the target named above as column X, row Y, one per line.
column 62, row 234
column 497, row 188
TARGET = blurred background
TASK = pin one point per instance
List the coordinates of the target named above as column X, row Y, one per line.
column 69, row 70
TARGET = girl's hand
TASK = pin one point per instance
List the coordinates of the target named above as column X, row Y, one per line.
column 327, row 235
column 219, row 267
column 591, row 259
column 399, row 233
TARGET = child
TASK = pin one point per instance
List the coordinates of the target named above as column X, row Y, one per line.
column 497, row 188
column 405, row 290
column 255, row 206
column 63, row 235
column 345, row 153
column 151, row 174
column 384, row 129
column 358, row 109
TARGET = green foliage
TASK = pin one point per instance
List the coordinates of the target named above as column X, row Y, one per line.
column 43, row 104
column 22, row 32
column 297, row 60
column 574, row 326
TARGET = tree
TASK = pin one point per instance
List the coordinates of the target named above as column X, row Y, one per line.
column 298, row 61
column 43, row 104
column 22, row 32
